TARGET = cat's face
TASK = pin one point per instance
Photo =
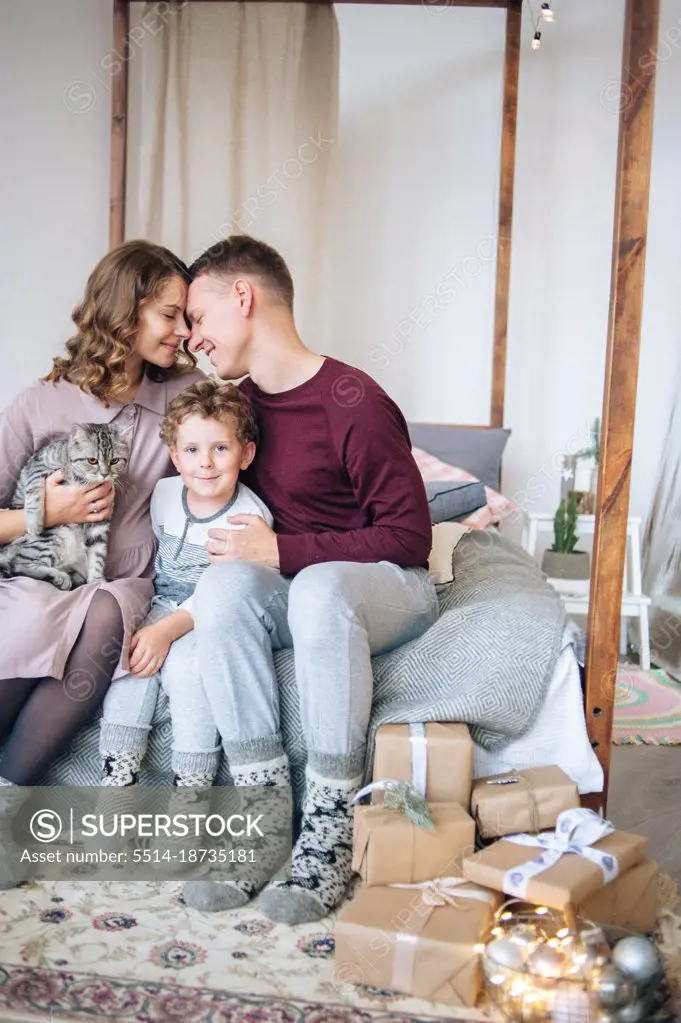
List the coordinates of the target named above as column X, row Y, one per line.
column 97, row 452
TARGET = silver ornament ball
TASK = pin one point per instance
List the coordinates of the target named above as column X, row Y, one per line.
column 611, row 987
column 633, row 1012
column 637, row 958
column 502, row 952
column 522, row 935
column 546, row 961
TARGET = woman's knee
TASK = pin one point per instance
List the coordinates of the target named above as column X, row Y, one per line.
column 104, row 616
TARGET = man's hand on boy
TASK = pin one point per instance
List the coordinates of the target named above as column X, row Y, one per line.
column 148, row 650
column 255, row 541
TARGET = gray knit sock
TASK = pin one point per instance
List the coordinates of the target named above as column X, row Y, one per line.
column 195, row 770
column 321, row 864
column 254, row 780
column 120, row 769
column 11, row 799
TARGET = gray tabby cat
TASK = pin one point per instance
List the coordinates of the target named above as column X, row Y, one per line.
column 70, row 555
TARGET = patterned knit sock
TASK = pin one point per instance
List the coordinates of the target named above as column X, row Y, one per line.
column 195, row 770
column 178, row 855
column 11, row 799
column 237, row 883
column 120, row 769
column 321, row 864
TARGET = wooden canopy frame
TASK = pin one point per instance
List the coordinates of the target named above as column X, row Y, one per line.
column 624, row 325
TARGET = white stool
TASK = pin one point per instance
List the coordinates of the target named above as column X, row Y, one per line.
column 575, row 595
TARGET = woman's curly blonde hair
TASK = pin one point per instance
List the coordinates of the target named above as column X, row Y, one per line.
column 108, row 318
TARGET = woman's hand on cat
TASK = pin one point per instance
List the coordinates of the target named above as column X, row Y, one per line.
column 148, row 650
column 66, row 503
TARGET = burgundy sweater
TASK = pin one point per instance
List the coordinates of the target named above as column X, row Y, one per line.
column 334, row 464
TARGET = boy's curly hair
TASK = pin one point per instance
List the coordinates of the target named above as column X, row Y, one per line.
column 211, row 399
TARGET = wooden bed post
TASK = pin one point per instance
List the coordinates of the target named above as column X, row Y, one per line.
column 506, row 180
column 621, row 372
column 119, row 123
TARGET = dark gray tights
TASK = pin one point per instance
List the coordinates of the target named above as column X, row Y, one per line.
column 40, row 716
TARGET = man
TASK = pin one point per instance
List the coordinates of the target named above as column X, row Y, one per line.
column 341, row 577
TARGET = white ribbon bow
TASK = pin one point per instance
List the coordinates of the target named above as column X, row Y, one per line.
column 419, row 757
column 576, row 831
column 444, row 891
column 376, row 786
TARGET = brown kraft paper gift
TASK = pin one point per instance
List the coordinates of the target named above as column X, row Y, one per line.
column 449, row 760
column 530, row 804
column 630, row 901
column 569, row 881
column 389, row 849
column 389, row 939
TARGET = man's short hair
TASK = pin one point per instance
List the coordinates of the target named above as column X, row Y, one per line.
column 211, row 399
column 242, row 255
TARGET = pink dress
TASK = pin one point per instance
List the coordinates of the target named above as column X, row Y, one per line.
column 39, row 623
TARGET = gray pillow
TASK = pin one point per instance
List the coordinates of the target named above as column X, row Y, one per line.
column 474, row 449
column 454, row 500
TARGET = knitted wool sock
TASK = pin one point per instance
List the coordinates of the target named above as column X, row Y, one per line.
column 232, row 888
column 11, row 871
column 122, row 749
column 195, row 770
column 191, row 797
column 120, row 769
column 321, row 864
column 113, row 800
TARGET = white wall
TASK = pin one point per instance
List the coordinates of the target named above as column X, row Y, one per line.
column 54, row 174
column 418, row 156
column 417, row 159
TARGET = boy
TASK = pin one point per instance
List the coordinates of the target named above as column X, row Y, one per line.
column 211, row 433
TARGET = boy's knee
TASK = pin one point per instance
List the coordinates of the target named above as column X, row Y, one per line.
column 226, row 590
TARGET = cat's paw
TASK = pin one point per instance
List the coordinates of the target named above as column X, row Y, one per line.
column 62, row 581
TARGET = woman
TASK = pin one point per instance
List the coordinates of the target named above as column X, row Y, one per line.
column 60, row 650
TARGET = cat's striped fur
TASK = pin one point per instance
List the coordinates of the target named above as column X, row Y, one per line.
column 70, row 555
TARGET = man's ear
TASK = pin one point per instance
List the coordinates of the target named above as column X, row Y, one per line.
column 247, row 455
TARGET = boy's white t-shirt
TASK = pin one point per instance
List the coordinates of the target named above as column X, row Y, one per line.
column 181, row 556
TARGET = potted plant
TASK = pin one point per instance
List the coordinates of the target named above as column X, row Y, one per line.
column 580, row 472
column 562, row 561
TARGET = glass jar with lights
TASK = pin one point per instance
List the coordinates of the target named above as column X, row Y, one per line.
column 539, row 964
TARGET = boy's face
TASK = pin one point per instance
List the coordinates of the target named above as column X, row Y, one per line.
column 208, row 456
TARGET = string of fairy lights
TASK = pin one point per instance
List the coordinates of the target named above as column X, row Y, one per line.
column 545, row 16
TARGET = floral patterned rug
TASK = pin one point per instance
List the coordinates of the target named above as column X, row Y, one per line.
column 73, row 952
column 134, row 953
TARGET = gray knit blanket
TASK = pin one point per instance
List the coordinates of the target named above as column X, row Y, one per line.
column 487, row 661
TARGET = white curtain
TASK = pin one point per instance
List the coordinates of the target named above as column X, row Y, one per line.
column 662, row 551
column 233, row 120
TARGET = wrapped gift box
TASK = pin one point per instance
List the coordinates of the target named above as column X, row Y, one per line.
column 389, row 938
column 570, row 881
column 629, row 901
column 521, row 801
column 389, row 849
column 439, row 754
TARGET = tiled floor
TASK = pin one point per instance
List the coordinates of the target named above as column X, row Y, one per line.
column 645, row 797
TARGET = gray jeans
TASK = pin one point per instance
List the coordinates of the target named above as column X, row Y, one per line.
column 130, row 701
column 335, row 615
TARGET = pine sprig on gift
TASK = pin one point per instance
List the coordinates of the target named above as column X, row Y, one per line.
column 403, row 798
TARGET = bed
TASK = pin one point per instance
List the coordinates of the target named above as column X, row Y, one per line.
column 624, row 326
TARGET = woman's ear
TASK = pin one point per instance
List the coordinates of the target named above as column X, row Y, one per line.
column 247, row 455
